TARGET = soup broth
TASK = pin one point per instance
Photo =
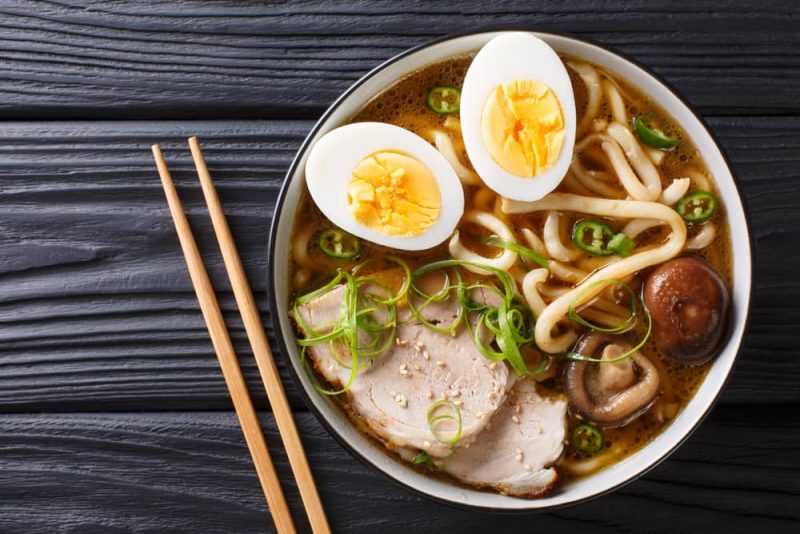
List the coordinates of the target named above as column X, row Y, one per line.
column 404, row 105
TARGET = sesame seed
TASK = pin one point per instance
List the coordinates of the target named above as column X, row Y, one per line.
column 401, row 342
column 527, row 467
column 479, row 415
column 515, row 419
column 426, row 355
column 402, row 400
column 539, row 430
column 404, row 366
column 419, row 345
column 440, row 363
column 493, row 366
column 492, row 395
column 404, row 372
column 393, row 393
column 518, row 458
column 456, row 393
column 429, row 395
column 518, row 408
column 519, row 451
column 426, row 443
column 458, row 403
column 417, row 367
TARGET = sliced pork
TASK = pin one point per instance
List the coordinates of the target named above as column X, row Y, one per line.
column 394, row 391
column 515, row 454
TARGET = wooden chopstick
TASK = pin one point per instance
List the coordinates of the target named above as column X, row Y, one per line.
column 261, row 351
column 227, row 357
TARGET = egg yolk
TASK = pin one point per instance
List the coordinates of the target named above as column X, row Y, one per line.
column 523, row 127
column 394, row 194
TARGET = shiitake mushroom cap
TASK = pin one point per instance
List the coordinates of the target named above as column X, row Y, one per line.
column 688, row 302
column 608, row 399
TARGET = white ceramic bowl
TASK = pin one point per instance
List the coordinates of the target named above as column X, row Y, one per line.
column 613, row 477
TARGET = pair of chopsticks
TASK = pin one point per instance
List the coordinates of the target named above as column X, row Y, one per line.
column 227, row 357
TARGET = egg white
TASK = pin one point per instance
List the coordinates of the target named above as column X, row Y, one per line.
column 333, row 158
column 515, row 56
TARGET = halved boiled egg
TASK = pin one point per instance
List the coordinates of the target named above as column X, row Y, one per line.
column 518, row 116
column 385, row 184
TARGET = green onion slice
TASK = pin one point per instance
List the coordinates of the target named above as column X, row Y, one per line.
column 524, row 252
column 581, row 357
column 511, row 322
column 400, row 295
column 651, row 137
column 575, row 317
column 318, row 387
column 367, row 322
column 440, row 296
column 444, row 99
column 424, row 459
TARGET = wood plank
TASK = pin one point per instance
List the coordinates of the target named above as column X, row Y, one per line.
column 97, row 311
column 192, row 59
column 190, row 472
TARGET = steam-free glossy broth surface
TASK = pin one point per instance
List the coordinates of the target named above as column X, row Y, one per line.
column 404, row 105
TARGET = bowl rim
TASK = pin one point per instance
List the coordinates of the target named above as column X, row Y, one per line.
column 275, row 311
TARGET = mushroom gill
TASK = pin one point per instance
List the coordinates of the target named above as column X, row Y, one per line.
column 610, row 393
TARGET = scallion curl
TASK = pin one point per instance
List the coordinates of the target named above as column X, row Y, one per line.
column 433, row 419
column 523, row 251
column 356, row 329
column 510, row 323
column 645, row 311
column 622, row 327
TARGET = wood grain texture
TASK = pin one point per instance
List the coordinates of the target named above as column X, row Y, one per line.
column 97, row 312
column 190, row 472
column 194, row 59
column 96, row 305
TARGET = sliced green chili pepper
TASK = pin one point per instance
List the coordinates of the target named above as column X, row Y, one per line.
column 621, row 244
column 697, row 206
column 599, row 239
column 587, row 438
column 593, row 237
column 444, row 99
column 652, row 138
column 338, row 244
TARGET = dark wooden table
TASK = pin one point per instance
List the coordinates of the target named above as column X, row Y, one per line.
column 113, row 413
